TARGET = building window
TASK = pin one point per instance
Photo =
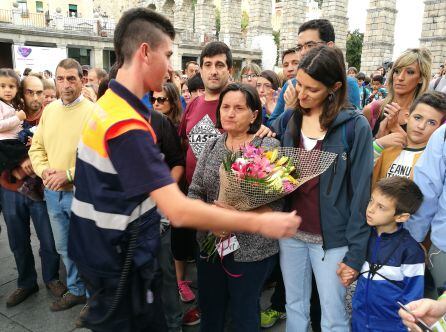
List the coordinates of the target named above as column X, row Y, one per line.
column 81, row 55
column 39, row 7
column 72, row 10
column 23, row 6
column 108, row 58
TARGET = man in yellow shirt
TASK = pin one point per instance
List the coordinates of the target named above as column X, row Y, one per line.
column 53, row 156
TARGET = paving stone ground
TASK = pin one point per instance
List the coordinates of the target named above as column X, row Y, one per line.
column 34, row 314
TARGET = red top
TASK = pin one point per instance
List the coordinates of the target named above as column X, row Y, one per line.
column 197, row 127
column 305, row 200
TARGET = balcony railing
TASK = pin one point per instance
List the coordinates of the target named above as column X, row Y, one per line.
column 56, row 22
column 101, row 27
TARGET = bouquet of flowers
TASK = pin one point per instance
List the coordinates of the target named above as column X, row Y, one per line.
column 255, row 176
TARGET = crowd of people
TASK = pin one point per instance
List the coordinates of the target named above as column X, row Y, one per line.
column 120, row 174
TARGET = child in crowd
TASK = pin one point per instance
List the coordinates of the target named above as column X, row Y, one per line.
column 394, row 267
column 427, row 113
column 14, row 140
column 364, row 92
column 12, row 151
column 378, row 90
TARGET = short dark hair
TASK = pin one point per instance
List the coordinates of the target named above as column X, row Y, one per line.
column 288, row 51
column 272, row 78
column 326, row 65
column 103, row 86
column 71, row 64
column 360, row 76
column 216, row 48
column 252, row 101
column 323, row 26
column 136, row 26
column 406, row 194
column 27, row 71
column 113, row 71
column 195, row 82
column 100, row 73
column 190, row 62
column 378, row 78
column 433, row 99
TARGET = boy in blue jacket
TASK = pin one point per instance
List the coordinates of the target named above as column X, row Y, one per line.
column 394, row 268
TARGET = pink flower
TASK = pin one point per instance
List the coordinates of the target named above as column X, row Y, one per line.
column 287, row 186
column 250, row 151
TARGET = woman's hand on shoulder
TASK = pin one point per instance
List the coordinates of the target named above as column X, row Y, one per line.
column 264, row 131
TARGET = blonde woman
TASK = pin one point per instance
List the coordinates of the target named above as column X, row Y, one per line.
column 408, row 79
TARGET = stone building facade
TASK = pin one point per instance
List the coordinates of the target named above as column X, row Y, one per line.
column 379, row 34
column 87, row 27
column 433, row 33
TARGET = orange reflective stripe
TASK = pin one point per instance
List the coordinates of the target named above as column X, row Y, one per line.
column 124, row 126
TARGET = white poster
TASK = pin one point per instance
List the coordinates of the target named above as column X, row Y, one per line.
column 38, row 58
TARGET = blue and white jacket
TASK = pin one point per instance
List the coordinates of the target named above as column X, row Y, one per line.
column 393, row 271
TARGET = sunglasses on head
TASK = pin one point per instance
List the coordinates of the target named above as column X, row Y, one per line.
column 159, row 100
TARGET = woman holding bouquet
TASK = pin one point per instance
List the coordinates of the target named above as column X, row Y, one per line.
column 333, row 234
column 236, row 278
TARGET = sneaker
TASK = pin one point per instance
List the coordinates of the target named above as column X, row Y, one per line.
column 57, row 288
column 270, row 317
column 186, row 293
column 192, row 317
column 20, row 295
column 80, row 320
column 67, row 301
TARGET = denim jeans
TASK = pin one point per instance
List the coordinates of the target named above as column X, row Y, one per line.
column 437, row 267
column 17, row 211
column 169, row 291
column 59, row 211
column 217, row 289
column 297, row 259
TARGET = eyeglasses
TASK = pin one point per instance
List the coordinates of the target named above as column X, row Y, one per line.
column 249, row 76
column 308, row 45
column 159, row 100
column 31, row 93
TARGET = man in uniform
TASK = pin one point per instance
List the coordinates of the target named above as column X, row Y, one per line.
column 121, row 180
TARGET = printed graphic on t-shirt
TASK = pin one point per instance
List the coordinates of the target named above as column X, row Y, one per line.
column 403, row 164
column 201, row 133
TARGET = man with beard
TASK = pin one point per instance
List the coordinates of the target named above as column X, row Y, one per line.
column 18, row 210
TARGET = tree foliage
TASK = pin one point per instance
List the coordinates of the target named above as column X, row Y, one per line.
column 276, row 35
column 245, row 21
column 354, row 48
column 217, row 22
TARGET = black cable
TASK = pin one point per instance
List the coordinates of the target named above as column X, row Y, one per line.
column 133, row 230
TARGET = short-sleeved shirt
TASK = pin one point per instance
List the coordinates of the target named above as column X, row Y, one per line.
column 135, row 156
column 403, row 164
column 197, row 127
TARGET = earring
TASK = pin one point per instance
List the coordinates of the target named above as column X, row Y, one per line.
column 331, row 97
